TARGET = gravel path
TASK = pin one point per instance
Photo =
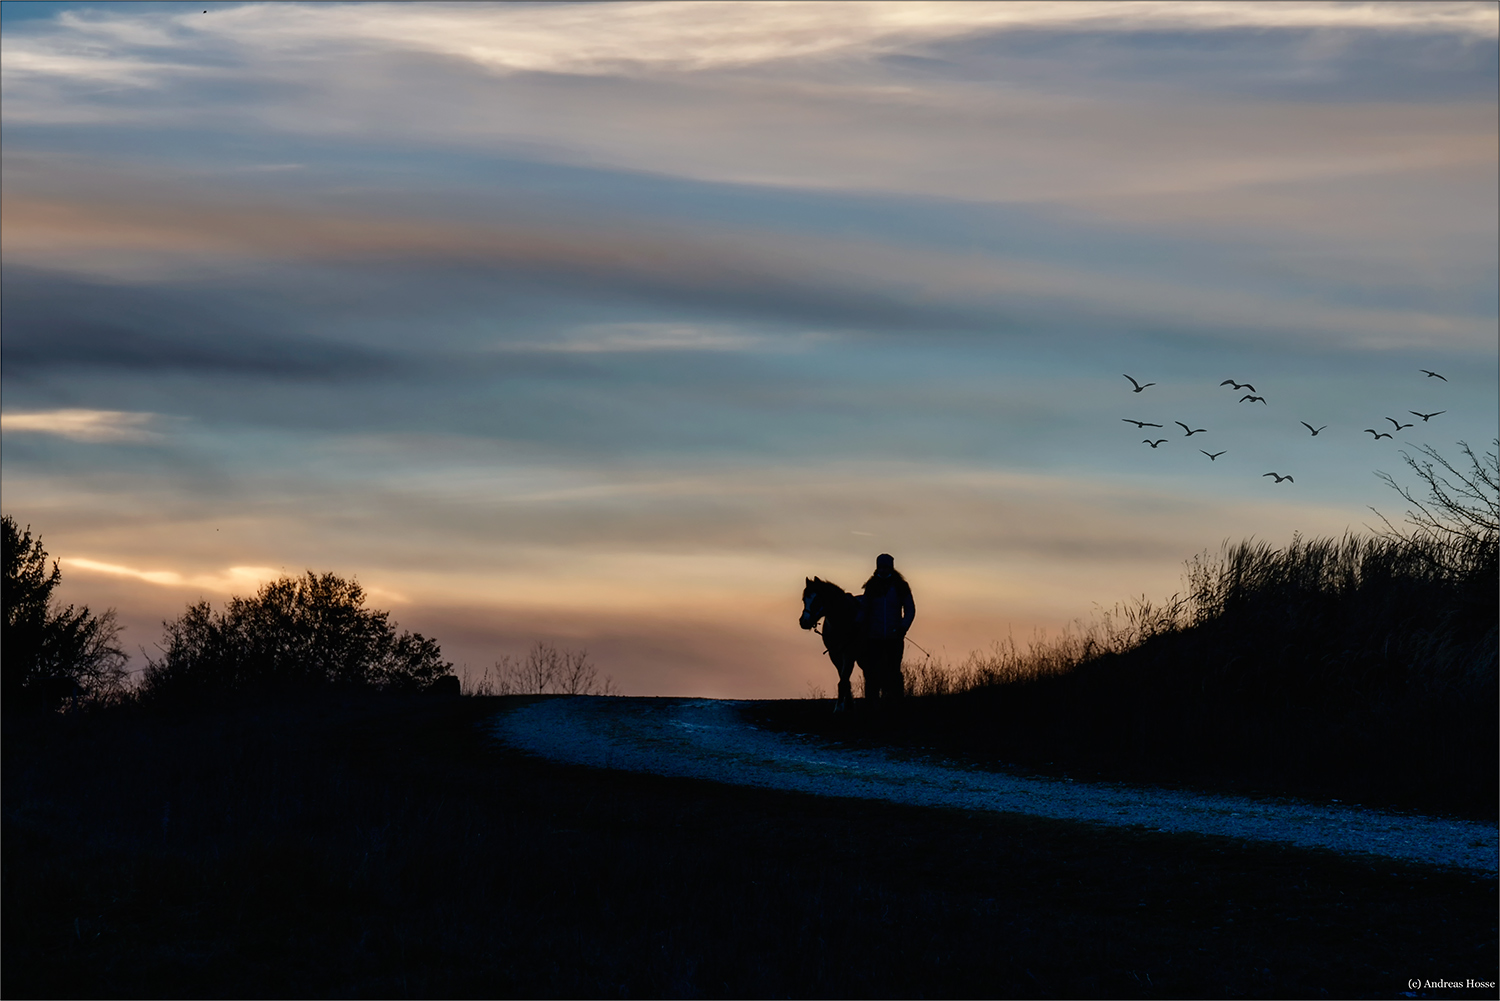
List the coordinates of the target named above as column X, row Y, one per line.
column 708, row 739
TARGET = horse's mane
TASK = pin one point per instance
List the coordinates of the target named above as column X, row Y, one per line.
column 820, row 580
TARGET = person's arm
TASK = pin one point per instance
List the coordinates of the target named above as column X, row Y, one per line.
column 908, row 612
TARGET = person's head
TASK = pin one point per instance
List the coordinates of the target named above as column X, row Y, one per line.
column 884, row 564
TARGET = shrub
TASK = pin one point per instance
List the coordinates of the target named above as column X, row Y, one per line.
column 52, row 655
column 297, row 634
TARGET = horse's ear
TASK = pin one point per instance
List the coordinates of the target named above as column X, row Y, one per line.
column 809, row 582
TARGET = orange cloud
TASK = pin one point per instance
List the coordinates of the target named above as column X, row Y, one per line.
column 231, row 580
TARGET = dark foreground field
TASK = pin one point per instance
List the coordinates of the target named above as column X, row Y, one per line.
column 385, row 848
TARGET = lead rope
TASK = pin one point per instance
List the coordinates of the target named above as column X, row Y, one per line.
column 907, row 638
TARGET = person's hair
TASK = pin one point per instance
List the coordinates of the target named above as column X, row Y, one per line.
column 879, row 585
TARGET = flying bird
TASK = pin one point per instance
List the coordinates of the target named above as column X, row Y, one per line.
column 1425, row 417
column 1247, row 396
column 1432, row 375
column 1398, row 424
column 1377, row 434
column 1153, row 444
column 1313, row 429
column 1190, row 431
column 1140, row 424
column 1213, row 455
column 1237, row 385
column 1279, row 477
column 1138, row 386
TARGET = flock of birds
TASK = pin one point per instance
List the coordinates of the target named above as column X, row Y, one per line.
column 1251, row 397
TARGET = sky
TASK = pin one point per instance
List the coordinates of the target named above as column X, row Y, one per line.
column 607, row 324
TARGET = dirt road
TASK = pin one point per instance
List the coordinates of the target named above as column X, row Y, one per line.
column 709, row 739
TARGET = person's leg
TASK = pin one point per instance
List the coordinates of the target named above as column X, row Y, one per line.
column 885, row 671
column 875, row 670
column 895, row 679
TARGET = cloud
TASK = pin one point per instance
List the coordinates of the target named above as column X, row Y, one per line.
column 613, row 338
column 34, row 350
column 232, row 579
column 237, row 581
column 809, row 278
column 56, row 323
column 574, row 536
column 680, row 37
column 699, row 36
column 83, row 425
column 669, row 89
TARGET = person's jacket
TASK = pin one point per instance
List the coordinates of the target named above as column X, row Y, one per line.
column 887, row 608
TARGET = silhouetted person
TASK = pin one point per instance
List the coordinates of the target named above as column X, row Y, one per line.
column 886, row 613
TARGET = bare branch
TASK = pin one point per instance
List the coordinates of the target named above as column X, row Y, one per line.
column 1461, row 503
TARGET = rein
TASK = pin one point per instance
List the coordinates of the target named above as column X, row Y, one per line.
column 907, row 638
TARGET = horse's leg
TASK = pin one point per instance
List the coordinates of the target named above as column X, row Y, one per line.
column 871, row 668
column 846, row 690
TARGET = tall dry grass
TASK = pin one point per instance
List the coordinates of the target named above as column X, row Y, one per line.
column 1112, row 631
column 1361, row 614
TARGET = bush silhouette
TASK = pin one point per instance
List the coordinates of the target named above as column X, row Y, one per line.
column 297, row 634
column 52, row 655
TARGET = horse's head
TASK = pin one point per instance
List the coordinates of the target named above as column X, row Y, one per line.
column 812, row 603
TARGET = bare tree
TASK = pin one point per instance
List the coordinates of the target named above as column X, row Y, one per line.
column 575, row 675
column 539, row 670
column 545, row 670
column 1462, row 504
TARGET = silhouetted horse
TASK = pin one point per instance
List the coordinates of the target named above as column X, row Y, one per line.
column 842, row 637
